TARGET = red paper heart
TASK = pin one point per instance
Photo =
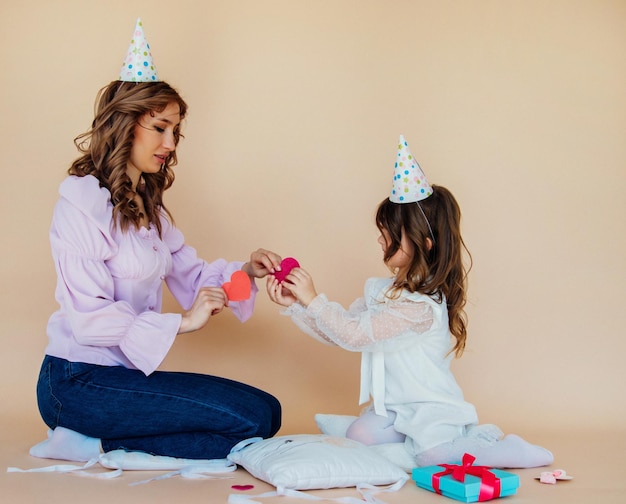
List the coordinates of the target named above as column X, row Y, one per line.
column 286, row 265
column 242, row 488
column 239, row 287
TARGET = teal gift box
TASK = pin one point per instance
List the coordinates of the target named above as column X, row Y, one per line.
column 466, row 482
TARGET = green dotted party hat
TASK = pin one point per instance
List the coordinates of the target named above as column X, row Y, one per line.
column 409, row 182
column 138, row 65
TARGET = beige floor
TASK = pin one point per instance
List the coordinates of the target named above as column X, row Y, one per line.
column 595, row 459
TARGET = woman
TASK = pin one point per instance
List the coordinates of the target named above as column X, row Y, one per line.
column 114, row 243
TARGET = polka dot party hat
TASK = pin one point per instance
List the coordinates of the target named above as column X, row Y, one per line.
column 409, row 182
column 138, row 65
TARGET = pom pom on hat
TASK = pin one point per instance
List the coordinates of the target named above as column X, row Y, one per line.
column 138, row 65
column 409, row 182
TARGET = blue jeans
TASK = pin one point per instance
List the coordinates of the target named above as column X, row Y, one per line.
column 184, row 415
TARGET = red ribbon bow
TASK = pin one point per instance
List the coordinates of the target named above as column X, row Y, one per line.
column 489, row 482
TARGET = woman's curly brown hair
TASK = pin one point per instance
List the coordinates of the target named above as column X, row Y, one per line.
column 106, row 147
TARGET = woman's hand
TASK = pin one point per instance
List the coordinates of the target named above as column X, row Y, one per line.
column 297, row 286
column 262, row 262
column 210, row 301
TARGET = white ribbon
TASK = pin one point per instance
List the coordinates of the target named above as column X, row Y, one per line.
column 366, row 491
column 119, row 460
column 74, row 469
column 373, row 380
column 192, row 472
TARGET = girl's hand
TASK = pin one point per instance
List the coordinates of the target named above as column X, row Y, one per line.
column 300, row 284
column 278, row 293
column 262, row 262
column 210, row 301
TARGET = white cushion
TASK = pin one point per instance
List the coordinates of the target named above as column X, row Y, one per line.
column 315, row 461
column 140, row 461
column 334, row 425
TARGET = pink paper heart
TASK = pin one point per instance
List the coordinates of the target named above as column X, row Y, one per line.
column 242, row 488
column 547, row 477
column 239, row 287
column 286, row 265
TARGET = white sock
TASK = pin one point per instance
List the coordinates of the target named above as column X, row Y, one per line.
column 510, row 452
column 66, row 444
column 513, row 452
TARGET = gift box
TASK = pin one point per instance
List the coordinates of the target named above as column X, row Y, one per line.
column 466, row 482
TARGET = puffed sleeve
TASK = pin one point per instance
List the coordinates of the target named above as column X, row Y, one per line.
column 380, row 326
column 307, row 323
column 189, row 274
column 81, row 244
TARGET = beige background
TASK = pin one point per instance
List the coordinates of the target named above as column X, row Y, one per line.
column 295, row 109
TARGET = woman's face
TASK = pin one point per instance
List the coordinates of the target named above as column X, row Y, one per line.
column 404, row 254
column 154, row 141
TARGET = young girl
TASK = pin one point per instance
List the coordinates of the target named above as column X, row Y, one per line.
column 404, row 326
column 114, row 244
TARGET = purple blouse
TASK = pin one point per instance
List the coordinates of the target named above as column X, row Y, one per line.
column 109, row 282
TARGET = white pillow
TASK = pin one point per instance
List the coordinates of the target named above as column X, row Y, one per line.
column 315, row 461
column 141, row 461
column 334, row 425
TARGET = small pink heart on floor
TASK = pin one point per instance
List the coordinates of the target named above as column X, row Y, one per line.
column 239, row 287
column 242, row 488
column 287, row 264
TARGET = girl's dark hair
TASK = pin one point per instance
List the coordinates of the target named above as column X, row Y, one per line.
column 106, row 147
column 436, row 268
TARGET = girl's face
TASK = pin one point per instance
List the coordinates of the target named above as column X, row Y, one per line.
column 404, row 254
column 154, row 141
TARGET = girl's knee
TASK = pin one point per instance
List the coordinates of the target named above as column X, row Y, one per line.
column 371, row 429
column 358, row 431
